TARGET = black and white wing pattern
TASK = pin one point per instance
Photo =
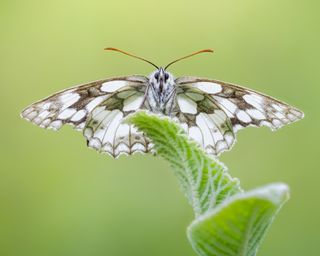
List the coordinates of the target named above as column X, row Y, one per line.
column 213, row 111
column 105, row 130
column 97, row 109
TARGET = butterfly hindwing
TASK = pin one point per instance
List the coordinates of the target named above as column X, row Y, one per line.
column 204, row 121
column 105, row 130
column 233, row 108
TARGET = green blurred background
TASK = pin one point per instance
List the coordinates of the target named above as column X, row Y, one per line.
column 58, row 197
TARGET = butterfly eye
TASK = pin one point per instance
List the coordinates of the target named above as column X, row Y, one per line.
column 166, row 76
column 156, row 75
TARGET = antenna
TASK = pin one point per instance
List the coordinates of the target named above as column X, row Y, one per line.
column 131, row 55
column 190, row 55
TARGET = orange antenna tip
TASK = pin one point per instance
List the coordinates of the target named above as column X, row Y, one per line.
column 207, row 50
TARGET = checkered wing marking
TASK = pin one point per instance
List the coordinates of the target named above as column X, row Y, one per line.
column 72, row 106
column 105, row 130
column 242, row 107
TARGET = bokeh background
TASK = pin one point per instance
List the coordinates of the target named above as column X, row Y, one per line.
column 57, row 197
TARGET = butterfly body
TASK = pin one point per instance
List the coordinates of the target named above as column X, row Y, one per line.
column 161, row 92
column 210, row 111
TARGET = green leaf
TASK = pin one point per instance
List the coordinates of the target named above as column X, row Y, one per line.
column 228, row 221
column 237, row 226
column 204, row 181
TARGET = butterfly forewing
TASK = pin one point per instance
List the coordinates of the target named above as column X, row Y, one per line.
column 222, row 109
column 72, row 106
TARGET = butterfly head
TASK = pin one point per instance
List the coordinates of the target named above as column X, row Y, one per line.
column 161, row 77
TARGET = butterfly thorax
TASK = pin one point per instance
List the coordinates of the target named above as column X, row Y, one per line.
column 161, row 92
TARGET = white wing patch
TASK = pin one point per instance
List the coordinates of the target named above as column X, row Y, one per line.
column 207, row 87
column 133, row 102
column 186, row 105
column 112, row 86
column 95, row 102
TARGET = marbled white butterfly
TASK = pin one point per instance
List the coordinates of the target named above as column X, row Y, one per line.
column 210, row 111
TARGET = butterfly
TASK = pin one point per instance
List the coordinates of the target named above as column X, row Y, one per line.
column 210, row 111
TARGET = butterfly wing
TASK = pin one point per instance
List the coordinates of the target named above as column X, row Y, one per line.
column 222, row 109
column 105, row 130
column 204, row 121
column 79, row 107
